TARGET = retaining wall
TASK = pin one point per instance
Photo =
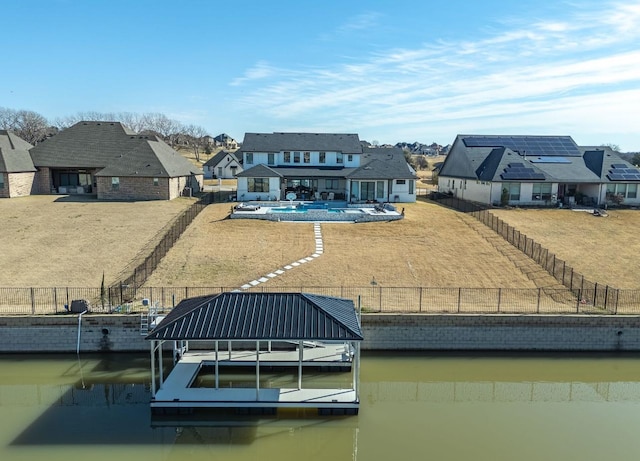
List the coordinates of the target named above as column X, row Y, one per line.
column 59, row 333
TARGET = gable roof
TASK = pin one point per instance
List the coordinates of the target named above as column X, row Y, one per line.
column 261, row 316
column 113, row 148
column 528, row 158
column 261, row 171
column 383, row 163
column 14, row 153
column 318, row 142
column 219, row 157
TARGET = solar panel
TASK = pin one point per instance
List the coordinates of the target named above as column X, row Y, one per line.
column 549, row 160
column 618, row 165
column 529, row 145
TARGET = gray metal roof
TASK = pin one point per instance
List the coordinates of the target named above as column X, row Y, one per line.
column 317, row 142
column 261, row 316
column 14, row 154
column 112, row 147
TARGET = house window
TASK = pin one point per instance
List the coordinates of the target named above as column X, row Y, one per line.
column 296, row 157
column 287, row 157
column 249, row 158
column 350, row 158
column 542, row 191
column 331, row 184
column 219, row 172
column 379, row 189
column 400, row 181
column 258, row 184
column 632, row 191
column 271, row 159
column 1, row 180
column 156, row 181
column 323, row 157
column 514, row 191
column 115, row 183
column 411, row 185
column 339, row 157
column 307, row 157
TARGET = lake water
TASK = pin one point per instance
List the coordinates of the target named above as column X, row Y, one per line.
column 413, row 407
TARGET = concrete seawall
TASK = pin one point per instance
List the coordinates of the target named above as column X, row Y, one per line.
column 59, row 333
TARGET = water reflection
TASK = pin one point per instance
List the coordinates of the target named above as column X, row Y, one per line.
column 447, row 407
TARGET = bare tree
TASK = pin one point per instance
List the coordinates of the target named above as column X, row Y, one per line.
column 29, row 125
column 196, row 133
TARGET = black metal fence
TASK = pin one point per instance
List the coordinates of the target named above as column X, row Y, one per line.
column 375, row 299
column 599, row 295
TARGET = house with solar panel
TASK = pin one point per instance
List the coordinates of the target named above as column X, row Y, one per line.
column 322, row 166
column 537, row 171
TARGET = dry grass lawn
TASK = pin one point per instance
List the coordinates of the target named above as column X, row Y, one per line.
column 604, row 250
column 51, row 241
column 431, row 247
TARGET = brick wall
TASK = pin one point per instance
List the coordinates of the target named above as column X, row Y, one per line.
column 42, row 182
column 58, row 333
column 132, row 188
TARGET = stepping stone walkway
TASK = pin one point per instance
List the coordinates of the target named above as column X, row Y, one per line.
column 319, row 250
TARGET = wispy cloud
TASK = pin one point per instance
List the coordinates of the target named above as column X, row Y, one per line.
column 576, row 72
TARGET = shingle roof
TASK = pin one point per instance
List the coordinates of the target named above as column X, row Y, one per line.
column 261, row 316
column 14, row 154
column 219, row 157
column 261, row 171
column 488, row 161
column 383, row 163
column 317, row 142
column 111, row 146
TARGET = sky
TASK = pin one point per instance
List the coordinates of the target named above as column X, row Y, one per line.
column 390, row 71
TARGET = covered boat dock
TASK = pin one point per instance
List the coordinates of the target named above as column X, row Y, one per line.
column 258, row 330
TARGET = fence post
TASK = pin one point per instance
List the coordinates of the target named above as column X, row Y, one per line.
column 617, row 298
column 538, row 305
column 553, row 269
column 606, row 296
column 564, row 267
column 55, row 299
column 571, row 280
column 380, row 300
column 499, row 298
column 459, row 296
column 420, row 300
column 33, row 302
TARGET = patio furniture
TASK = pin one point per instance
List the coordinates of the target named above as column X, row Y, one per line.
column 331, row 195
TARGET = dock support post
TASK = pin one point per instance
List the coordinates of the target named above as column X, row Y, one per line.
column 217, row 368
column 153, row 369
column 257, row 370
column 160, row 361
column 356, row 370
column 300, row 357
column 229, row 349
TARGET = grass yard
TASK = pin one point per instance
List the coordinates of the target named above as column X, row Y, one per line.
column 604, row 250
column 431, row 247
column 50, row 240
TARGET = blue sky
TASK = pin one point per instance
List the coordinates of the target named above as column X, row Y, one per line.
column 391, row 71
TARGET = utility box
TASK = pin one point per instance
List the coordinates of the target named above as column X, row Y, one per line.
column 78, row 306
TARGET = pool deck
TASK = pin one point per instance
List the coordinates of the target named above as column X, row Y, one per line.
column 349, row 212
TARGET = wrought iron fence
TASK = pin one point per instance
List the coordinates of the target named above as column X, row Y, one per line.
column 371, row 299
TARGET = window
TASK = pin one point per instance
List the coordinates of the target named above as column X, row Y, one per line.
column 401, row 181
column 542, row 191
column 296, row 157
column 258, row 184
column 411, row 186
column 379, row 189
column 287, row 157
column 271, row 159
column 323, row 157
column 350, row 158
column 632, row 191
column 339, row 157
column 249, row 158
column 514, row 191
column 115, row 183
column 307, row 157
column 1, row 180
column 156, row 181
column 331, row 184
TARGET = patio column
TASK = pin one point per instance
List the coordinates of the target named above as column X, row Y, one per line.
column 356, row 370
column 160, row 360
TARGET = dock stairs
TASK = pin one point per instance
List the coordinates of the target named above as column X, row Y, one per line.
column 149, row 319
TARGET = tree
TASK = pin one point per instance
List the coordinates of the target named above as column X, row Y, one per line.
column 29, row 125
column 196, row 134
column 613, row 147
column 636, row 159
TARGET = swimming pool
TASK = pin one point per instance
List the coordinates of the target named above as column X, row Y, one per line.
column 312, row 209
column 315, row 211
